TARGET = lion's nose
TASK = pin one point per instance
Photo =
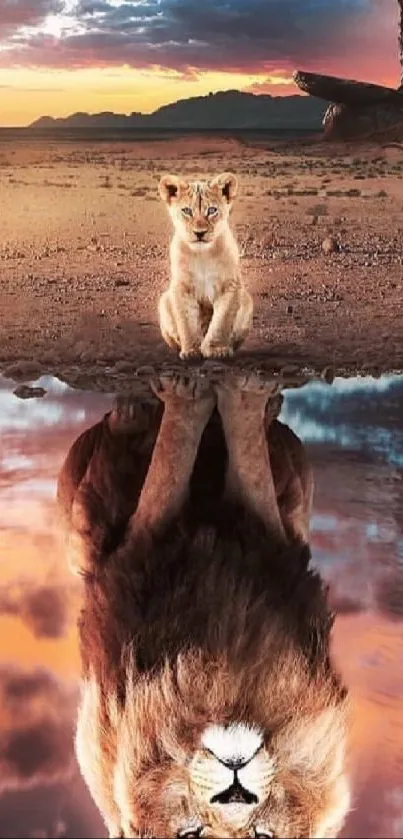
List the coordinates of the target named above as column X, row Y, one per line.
column 200, row 234
column 235, row 763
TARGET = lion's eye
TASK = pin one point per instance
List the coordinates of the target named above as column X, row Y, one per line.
column 192, row 833
column 264, row 834
column 212, row 211
column 187, row 211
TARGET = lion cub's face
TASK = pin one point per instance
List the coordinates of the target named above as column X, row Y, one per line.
column 199, row 210
column 235, row 782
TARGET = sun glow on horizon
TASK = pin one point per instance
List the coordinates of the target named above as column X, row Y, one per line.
column 26, row 94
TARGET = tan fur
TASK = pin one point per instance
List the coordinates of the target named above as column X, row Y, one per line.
column 207, row 309
column 211, row 621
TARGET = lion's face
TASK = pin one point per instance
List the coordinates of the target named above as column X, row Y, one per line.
column 237, row 781
column 199, row 210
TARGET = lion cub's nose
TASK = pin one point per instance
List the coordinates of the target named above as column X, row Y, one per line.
column 200, row 234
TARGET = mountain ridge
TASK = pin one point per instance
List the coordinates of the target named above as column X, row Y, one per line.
column 231, row 109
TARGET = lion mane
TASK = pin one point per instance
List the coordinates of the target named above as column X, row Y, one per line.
column 205, row 623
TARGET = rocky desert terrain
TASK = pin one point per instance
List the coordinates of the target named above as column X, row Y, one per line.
column 84, row 252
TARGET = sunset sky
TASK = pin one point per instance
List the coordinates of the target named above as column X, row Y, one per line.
column 62, row 56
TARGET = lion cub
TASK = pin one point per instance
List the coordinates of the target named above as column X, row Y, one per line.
column 206, row 309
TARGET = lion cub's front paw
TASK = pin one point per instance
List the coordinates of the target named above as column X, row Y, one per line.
column 211, row 349
column 190, row 353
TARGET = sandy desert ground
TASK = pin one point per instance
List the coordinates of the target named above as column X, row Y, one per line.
column 84, row 239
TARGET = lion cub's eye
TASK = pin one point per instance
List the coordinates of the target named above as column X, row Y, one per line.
column 264, row 834
column 212, row 211
column 192, row 833
column 187, row 211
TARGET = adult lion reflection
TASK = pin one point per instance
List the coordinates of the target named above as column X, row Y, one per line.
column 209, row 704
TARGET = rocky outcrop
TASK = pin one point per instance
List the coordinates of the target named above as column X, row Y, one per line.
column 343, row 91
column 343, row 122
column 358, row 109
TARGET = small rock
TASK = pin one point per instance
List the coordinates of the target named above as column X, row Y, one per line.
column 50, row 359
column 145, row 370
column 124, row 366
column 88, row 356
column 290, row 370
column 328, row 375
column 27, row 392
column 330, row 245
column 81, row 346
column 211, row 366
column 23, row 370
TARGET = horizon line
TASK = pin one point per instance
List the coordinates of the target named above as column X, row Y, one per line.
column 295, row 94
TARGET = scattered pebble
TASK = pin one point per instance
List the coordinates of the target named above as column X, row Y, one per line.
column 328, row 375
column 330, row 245
column 145, row 370
column 88, row 356
column 290, row 370
column 124, row 366
column 27, row 392
column 23, row 370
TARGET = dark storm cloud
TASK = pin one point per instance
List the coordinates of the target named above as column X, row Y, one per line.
column 36, row 734
column 37, row 750
column 232, row 35
column 44, row 609
column 186, row 35
column 16, row 13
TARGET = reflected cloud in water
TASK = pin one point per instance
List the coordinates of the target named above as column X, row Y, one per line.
column 357, row 414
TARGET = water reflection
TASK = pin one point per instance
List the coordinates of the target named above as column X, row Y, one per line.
column 354, row 436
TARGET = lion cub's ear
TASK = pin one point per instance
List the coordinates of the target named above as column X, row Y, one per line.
column 227, row 183
column 170, row 187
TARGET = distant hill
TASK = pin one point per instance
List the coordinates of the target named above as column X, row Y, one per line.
column 229, row 109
